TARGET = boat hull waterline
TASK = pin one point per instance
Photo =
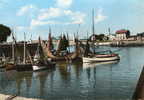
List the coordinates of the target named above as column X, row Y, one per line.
column 100, row 59
column 95, row 64
column 37, row 68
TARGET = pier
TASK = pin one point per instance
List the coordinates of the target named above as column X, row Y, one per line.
column 6, row 48
column 127, row 43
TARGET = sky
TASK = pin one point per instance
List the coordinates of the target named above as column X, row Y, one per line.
column 35, row 17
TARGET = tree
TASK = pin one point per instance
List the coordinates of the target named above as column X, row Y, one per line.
column 5, row 32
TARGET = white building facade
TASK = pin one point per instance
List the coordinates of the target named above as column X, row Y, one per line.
column 122, row 34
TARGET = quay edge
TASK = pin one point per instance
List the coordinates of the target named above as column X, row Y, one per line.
column 10, row 97
column 139, row 90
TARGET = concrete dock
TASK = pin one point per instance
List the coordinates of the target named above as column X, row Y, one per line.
column 139, row 91
column 9, row 97
column 127, row 43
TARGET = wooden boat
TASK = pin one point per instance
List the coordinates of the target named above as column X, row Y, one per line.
column 23, row 67
column 10, row 66
column 101, row 57
column 2, row 64
column 68, row 57
column 95, row 64
column 39, row 66
column 17, row 64
column 39, row 62
column 96, row 57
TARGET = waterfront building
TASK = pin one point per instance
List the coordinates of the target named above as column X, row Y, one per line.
column 122, row 34
column 137, row 37
column 140, row 36
column 132, row 38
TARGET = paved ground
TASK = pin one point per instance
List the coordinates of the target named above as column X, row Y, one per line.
column 9, row 97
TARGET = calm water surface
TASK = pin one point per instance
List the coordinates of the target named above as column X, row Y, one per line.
column 107, row 81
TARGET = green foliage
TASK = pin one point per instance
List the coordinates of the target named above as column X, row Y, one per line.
column 100, row 37
column 4, row 32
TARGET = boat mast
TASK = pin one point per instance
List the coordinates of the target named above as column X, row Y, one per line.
column 87, row 49
column 13, row 51
column 68, row 42
column 24, row 60
column 38, row 49
column 109, row 31
column 93, row 30
column 50, row 44
column 93, row 22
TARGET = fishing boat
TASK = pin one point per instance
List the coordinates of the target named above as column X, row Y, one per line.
column 40, row 63
column 67, row 57
column 103, row 57
column 96, row 64
column 26, row 65
column 17, row 63
column 43, row 66
column 98, row 57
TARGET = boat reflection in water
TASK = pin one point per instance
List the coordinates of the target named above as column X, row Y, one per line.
column 42, row 78
column 95, row 64
column 23, row 77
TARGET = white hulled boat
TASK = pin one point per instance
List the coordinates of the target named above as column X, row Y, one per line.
column 92, row 65
column 98, row 57
column 39, row 62
column 37, row 67
column 101, row 57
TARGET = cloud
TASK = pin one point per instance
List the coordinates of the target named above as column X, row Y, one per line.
column 26, row 9
column 47, row 16
column 52, row 15
column 64, row 3
column 76, row 17
column 41, row 22
column 20, row 28
column 49, row 13
column 100, row 17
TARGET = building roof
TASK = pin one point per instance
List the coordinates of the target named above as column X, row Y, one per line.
column 122, row 31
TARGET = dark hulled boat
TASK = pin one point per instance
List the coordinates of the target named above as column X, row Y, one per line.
column 18, row 64
column 40, row 63
column 68, row 57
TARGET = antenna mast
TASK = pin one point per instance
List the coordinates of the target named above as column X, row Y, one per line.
column 93, row 22
column 24, row 60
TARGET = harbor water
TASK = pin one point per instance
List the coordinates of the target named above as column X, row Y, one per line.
column 79, row 81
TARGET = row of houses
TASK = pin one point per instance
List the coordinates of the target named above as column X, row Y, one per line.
column 120, row 35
